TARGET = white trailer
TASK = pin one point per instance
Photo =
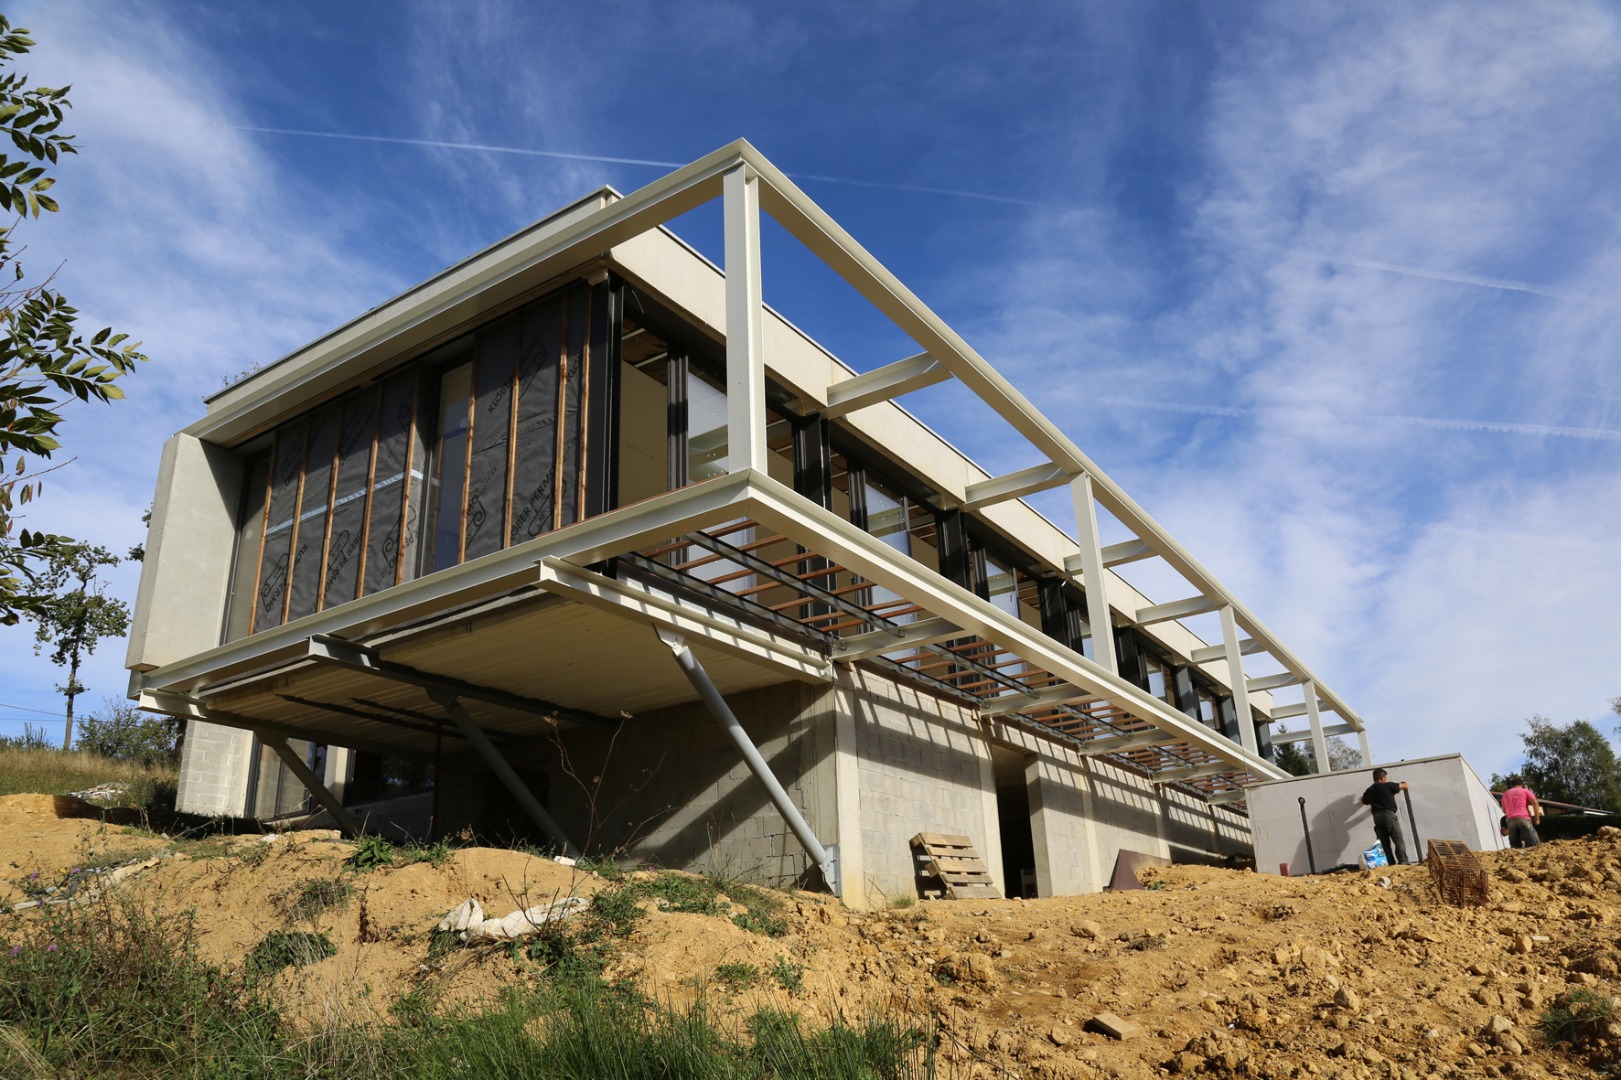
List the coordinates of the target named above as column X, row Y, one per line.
column 1449, row 802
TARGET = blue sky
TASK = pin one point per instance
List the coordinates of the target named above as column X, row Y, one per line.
column 1333, row 290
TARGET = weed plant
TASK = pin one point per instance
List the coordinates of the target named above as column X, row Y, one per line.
column 1578, row 1017
column 314, row 897
column 288, row 948
column 118, row 990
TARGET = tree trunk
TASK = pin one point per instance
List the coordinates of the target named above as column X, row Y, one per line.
column 72, row 692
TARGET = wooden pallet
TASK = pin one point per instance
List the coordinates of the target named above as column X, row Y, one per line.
column 958, row 866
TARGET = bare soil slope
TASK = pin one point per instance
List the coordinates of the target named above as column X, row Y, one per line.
column 1206, row 973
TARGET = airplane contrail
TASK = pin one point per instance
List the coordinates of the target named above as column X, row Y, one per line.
column 1507, row 284
column 439, row 144
column 1497, row 427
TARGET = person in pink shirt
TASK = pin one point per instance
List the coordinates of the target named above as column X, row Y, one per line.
column 1522, row 810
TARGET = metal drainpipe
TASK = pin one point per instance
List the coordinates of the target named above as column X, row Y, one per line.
column 825, row 859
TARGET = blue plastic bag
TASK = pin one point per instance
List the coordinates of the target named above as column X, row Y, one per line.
column 1375, row 856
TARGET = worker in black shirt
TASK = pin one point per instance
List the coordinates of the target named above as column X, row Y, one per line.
column 1381, row 799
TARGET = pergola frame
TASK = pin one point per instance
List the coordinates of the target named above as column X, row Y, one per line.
column 747, row 185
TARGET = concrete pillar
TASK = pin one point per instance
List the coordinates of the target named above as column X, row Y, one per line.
column 847, row 787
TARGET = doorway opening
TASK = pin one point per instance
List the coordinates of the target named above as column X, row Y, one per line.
column 1012, row 771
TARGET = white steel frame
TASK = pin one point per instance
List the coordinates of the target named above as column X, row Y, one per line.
column 748, row 184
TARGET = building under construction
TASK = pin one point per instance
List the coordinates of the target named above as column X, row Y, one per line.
column 580, row 538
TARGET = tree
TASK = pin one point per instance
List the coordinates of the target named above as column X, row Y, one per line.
column 44, row 361
column 122, row 732
column 1293, row 759
column 1571, row 764
column 74, row 613
column 1342, row 756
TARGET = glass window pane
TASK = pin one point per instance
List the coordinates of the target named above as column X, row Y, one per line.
column 706, row 430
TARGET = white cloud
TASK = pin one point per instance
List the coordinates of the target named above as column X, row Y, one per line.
column 1379, row 401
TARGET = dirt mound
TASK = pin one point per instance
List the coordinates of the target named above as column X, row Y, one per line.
column 52, row 835
column 1206, row 972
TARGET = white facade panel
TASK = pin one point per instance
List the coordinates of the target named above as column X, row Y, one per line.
column 1449, row 803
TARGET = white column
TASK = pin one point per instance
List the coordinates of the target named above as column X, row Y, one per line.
column 1319, row 745
column 1097, row 600
column 847, row 793
column 745, row 362
column 1235, row 676
column 340, row 769
column 1362, row 742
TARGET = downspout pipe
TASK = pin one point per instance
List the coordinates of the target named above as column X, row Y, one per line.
column 826, row 859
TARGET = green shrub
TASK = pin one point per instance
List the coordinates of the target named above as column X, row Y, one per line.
column 679, row 892
column 32, row 738
column 117, row 989
column 1574, row 826
column 288, row 948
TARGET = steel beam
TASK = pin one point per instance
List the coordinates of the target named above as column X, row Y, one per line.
column 1302, row 708
column 190, row 708
column 883, row 384
column 1235, row 679
column 1224, row 798
column 1014, row 485
column 447, row 700
column 1115, row 743
column 1176, row 609
column 777, row 507
column 1304, row 734
column 1128, row 551
column 1057, row 695
column 1092, row 574
column 634, row 601
column 1192, row 772
column 825, row 859
column 745, row 335
column 312, row 783
column 1272, row 682
column 800, row 216
column 907, row 636
column 1209, row 653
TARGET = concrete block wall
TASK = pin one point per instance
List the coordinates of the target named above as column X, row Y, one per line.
column 923, row 767
column 214, row 767
column 676, row 792
column 1199, row 832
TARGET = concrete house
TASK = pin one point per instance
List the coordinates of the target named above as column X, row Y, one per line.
column 579, row 538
